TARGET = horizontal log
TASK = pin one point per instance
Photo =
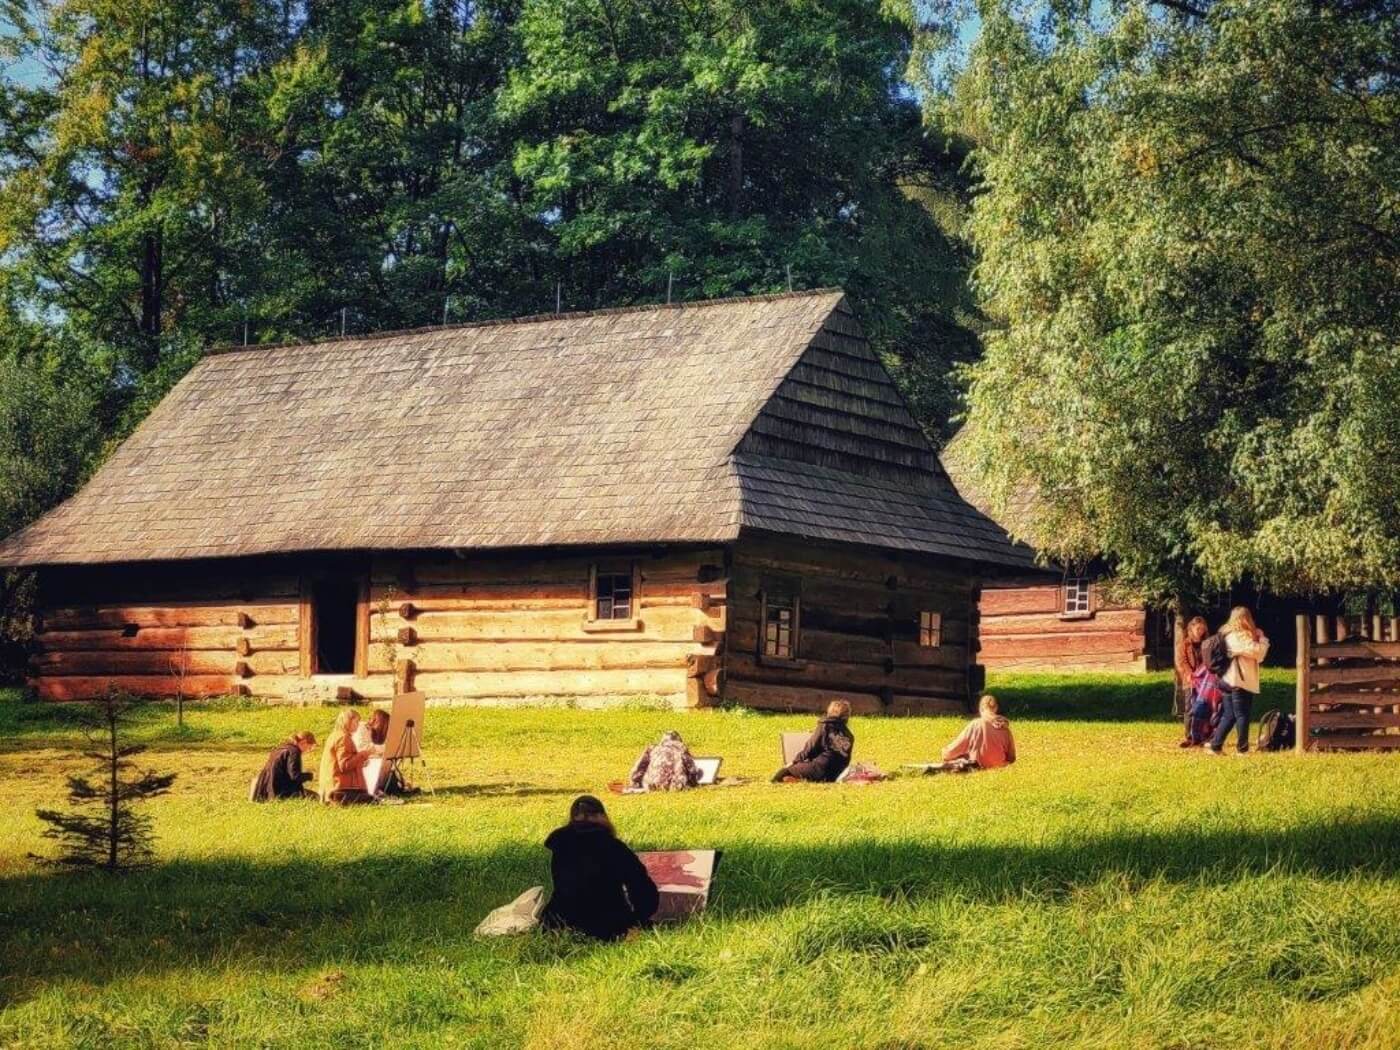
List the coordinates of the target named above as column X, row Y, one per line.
column 1358, row 650
column 766, row 697
column 1130, row 620
column 1083, row 643
column 1125, row 661
column 1356, row 742
column 190, row 614
column 553, row 683
column 813, row 560
column 1380, row 674
column 492, row 656
column 260, row 638
column 76, row 688
column 1354, row 697
column 234, row 583
column 167, row 662
column 487, row 568
column 541, row 625
column 842, row 676
column 999, row 601
column 1353, row 719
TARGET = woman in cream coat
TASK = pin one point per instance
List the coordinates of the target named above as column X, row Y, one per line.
column 1247, row 646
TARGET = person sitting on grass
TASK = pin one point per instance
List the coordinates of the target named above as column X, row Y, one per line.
column 601, row 888
column 827, row 752
column 985, row 742
column 665, row 766
column 282, row 776
column 342, row 766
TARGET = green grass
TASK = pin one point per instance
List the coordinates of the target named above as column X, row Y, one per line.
column 1107, row 891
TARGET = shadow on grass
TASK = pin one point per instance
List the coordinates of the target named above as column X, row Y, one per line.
column 397, row 908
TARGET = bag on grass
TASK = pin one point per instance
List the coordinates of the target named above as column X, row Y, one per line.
column 519, row 916
column 1277, row 732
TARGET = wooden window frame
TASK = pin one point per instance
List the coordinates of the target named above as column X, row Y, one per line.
column 605, row 567
column 788, row 591
column 306, row 621
column 1066, row 613
column 930, row 629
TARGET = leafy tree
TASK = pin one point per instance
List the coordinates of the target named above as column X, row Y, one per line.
column 118, row 837
column 129, row 178
column 393, row 193
column 1189, row 236
column 727, row 144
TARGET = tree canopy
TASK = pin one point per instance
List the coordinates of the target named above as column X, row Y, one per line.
column 1189, row 244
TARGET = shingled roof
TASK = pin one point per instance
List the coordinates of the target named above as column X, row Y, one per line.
column 680, row 423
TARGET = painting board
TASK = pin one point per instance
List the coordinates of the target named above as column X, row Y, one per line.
column 683, row 877
column 792, row 744
column 406, row 708
column 709, row 769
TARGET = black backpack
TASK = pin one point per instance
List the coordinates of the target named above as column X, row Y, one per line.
column 1277, row 732
column 1215, row 654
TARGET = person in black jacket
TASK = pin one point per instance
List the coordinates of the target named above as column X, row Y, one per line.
column 282, row 775
column 600, row 887
column 827, row 752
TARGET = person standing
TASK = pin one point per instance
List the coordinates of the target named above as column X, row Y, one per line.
column 601, row 888
column 1188, row 661
column 827, row 752
column 1247, row 646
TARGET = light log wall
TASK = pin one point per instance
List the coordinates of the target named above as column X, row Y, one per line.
column 161, row 631
column 1022, row 628
column 501, row 629
column 494, row 628
column 858, row 631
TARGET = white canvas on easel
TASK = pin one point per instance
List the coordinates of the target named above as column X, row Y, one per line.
column 407, row 709
column 792, row 745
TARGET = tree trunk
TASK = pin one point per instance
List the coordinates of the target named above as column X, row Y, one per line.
column 736, row 165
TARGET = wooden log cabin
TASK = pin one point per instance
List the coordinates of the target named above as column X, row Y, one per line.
column 1057, row 618
column 708, row 503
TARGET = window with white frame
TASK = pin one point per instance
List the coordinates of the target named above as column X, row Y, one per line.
column 1076, row 600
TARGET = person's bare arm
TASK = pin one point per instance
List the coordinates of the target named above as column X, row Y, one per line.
column 959, row 747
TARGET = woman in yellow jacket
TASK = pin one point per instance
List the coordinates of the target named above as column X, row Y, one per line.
column 342, row 767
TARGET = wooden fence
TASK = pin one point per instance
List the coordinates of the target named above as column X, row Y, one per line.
column 1348, row 683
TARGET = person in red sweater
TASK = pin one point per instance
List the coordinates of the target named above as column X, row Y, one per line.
column 985, row 742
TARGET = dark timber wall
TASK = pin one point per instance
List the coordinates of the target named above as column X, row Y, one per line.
column 858, row 634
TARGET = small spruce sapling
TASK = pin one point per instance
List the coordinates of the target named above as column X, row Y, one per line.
column 117, row 837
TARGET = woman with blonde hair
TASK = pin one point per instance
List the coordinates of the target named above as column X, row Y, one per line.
column 1246, row 645
column 985, row 742
column 827, row 752
column 342, row 766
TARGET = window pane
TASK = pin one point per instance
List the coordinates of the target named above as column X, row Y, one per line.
column 778, row 639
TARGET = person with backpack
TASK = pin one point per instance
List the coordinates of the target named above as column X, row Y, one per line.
column 1244, row 648
column 1195, row 712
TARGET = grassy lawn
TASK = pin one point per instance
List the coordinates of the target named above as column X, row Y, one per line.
column 1107, row 891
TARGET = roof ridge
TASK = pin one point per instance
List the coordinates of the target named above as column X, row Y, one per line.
column 608, row 311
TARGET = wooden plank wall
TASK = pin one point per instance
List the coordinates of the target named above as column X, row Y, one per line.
column 159, row 631
column 512, row 628
column 1348, row 695
column 859, row 637
column 1022, row 629
column 496, row 628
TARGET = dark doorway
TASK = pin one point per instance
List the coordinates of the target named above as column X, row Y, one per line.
column 335, row 602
